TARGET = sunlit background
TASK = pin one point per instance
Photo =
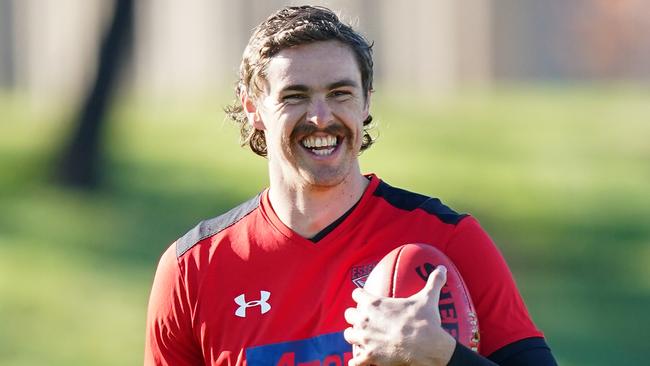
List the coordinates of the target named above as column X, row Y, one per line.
column 532, row 115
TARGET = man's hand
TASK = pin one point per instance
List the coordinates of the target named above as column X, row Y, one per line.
column 399, row 331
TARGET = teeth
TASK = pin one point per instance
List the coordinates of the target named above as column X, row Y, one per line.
column 312, row 141
column 323, row 152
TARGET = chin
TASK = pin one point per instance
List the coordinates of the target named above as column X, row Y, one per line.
column 323, row 180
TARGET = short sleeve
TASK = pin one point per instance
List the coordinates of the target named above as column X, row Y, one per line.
column 502, row 314
column 169, row 336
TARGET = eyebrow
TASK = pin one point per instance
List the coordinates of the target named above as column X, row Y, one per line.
column 334, row 85
column 344, row 82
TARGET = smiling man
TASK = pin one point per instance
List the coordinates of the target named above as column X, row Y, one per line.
column 276, row 280
column 311, row 111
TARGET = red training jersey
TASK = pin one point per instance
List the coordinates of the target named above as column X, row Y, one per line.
column 244, row 289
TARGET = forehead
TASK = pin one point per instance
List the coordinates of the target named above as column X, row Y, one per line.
column 314, row 65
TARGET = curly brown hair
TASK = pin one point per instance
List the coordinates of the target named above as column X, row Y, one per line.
column 289, row 27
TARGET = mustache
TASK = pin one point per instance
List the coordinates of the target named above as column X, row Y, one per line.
column 305, row 129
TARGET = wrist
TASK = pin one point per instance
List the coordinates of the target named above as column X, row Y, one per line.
column 441, row 352
column 447, row 351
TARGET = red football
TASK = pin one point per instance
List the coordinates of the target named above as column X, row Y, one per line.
column 404, row 271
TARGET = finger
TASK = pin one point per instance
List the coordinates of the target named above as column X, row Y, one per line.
column 351, row 316
column 434, row 284
column 352, row 336
column 361, row 296
column 358, row 362
column 362, row 359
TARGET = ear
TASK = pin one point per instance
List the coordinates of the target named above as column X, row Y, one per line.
column 250, row 108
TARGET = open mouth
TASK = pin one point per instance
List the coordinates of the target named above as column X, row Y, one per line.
column 321, row 145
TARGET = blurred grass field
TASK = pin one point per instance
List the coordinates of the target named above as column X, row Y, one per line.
column 559, row 177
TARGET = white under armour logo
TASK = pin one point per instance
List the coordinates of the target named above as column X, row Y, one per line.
column 243, row 305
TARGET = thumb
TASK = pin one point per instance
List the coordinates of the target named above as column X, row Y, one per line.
column 434, row 284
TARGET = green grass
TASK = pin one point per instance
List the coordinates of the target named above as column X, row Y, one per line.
column 560, row 178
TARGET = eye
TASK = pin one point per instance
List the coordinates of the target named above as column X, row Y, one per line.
column 340, row 94
column 294, row 98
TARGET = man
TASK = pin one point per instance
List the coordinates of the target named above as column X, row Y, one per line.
column 271, row 282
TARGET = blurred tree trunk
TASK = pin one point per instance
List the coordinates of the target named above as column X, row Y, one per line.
column 80, row 164
column 7, row 65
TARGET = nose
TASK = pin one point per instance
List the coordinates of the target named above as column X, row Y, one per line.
column 319, row 112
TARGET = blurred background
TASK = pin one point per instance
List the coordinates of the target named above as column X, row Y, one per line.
column 533, row 116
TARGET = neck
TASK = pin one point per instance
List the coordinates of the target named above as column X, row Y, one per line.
column 307, row 210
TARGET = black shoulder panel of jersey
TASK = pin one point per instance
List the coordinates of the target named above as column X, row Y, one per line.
column 215, row 225
column 409, row 201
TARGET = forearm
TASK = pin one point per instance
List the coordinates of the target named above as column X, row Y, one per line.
column 526, row 352
column 464, row 356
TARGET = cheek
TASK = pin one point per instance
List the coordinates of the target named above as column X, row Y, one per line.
column 281, row 134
